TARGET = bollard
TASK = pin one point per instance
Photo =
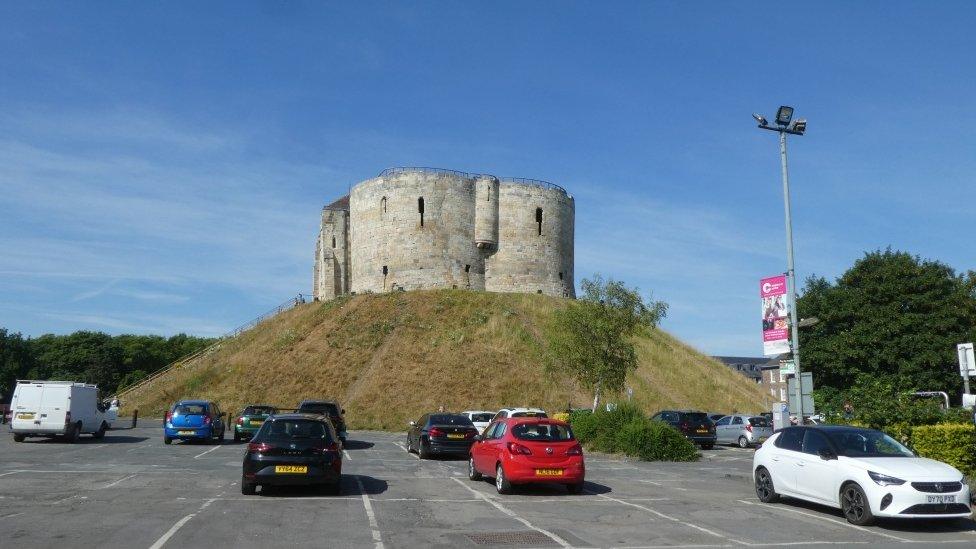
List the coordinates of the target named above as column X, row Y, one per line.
column 135, row 417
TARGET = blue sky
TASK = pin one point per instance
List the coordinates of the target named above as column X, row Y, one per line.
column 162, row 165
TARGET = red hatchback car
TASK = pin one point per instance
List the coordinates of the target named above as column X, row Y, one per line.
column 524, row 450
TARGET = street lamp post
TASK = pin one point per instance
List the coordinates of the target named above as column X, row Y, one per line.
column 797, row 127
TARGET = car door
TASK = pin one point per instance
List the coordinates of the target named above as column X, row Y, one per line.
column 815, row 476
column 218, row 419
column 722, row 428
column 735, row 429
column 479, row 449
column 782, row 460
column 493, row 447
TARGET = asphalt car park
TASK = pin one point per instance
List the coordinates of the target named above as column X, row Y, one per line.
column 130, row 490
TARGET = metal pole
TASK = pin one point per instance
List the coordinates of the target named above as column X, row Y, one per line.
column 791, row 277
column 965, row 379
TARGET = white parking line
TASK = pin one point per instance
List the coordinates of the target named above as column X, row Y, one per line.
column 116, row 482
column 198, row 456
column 773, row 507
column 8, row 473
column 346, row 454
column 672, row 519
column 374, row 526
column 12, row 515
column 179, row 524
column 513, row 514
column 404, row 448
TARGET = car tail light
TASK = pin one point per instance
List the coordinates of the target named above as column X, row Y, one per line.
column 206, row 420
column 749, row 427
column 240, row 421
column 67, row 418
column 169, row 417
column 576, row 450
column 258, row 447
column 516, row 448
column 435, row 432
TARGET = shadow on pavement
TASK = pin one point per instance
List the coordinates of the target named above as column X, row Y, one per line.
column 899, row 525
column 349, row 487
column 88, row 440
column 357, row 445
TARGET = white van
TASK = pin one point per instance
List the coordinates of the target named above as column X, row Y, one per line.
column 56, row 408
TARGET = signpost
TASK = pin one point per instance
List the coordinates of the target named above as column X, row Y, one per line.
column 787, row 368
column 967, row 364
column 806, row 388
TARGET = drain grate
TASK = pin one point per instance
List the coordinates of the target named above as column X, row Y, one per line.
column 528, row 538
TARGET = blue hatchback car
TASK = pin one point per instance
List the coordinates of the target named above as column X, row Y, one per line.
column 194, row 420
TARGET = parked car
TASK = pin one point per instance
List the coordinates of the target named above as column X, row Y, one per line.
column 519, row 412
column 715, row 416
column 526, row 450
column 480, row 419
column 56, row 408
column 251, row 418
column 695, row 426
column 329, row 408
column 439, row 433
column 742, row 429
column 863, row 472
column 194, row 420
column 293, row 449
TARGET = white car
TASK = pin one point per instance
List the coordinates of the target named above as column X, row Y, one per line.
column 519, row 412
column 863, row 472
column 480, row 418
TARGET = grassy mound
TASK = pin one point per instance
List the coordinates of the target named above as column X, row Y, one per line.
column 389, row 358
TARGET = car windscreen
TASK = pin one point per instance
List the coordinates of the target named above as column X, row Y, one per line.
column 258, row 411
column 543, row 432
column 695, row 416
column 189, row 409
column 867, row 443
column 758, row 421
column 530, row 414
column 482, row 417
column 321, row 408
column 283, row 430
column 451, row 419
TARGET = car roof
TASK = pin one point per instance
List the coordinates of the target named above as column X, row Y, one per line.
column 194, row 401
column 261, row 405
column 314, row 417
column 479, row 412
column 521, row 409
column 533, row 420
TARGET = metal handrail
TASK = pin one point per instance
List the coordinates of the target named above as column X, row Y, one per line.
column 186, row 360
column 466, row 175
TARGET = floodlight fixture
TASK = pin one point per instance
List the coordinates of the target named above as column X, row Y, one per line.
column 761, row 119
column 783, row 115
column 800, row 126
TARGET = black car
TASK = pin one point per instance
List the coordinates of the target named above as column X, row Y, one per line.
column 441, row 433
column 328, row 408
column 695, row 426
column 293, row 449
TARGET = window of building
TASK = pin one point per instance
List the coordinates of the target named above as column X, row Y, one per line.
column 467, row 268
column 538, row 219
column 420, row 208
column 489, row 192
column 383, row 205
column 333, row 241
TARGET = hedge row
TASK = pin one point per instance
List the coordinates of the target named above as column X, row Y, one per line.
column 954, row 444
column 627, row 430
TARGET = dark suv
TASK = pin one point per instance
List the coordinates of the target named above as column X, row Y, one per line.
column 328, row 408
column 695, row 426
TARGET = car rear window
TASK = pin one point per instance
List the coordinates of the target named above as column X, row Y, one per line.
column 529, row 414
column 482, row 417
column 695, row 416
column 258, row 410
column 321, row 408
column 450, row 419
column 547, row 432
column 189, row 409
column 758, row 422
column 281, row 430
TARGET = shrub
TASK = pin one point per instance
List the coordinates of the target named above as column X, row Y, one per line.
column 655, row 441
column 954, row 444
column 584, row 426
column 609, row 424
column 561, row 416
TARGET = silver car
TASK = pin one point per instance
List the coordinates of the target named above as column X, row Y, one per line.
column 742, row 429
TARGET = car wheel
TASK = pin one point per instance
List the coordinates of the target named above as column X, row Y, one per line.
column 100, row 433
column 473, row 473
column 501, row 483
column 743, row 442
column 855, row 505
column 167, row 440
column 237, row 436
column 247, row 488
column 409, row 445
column 75, row 433
column 19, row 437
column 575, row 489
column 424, row 450
column 765, row 490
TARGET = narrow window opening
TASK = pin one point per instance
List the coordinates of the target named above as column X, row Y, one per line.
column 385, row 270
column 489, row 193
column 560, row 276
column 333, row 241
column 538, row 291
column 467, row 268
column 538, row 219
column 420, row 208
column 383, row 205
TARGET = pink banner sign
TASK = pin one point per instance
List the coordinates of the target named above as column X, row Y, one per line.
column 775, row 324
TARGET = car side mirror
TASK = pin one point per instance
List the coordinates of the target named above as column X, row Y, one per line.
column 413, row 423
column 479, row 438
column 827, row 454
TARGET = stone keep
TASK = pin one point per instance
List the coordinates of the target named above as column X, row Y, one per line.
column 421, row 228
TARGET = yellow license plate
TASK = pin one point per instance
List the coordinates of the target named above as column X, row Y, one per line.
column 301, row 469
column 187, row 432
column 25, row 416
column 703, row 430
column 255, row 423
column 548, row 472
column 455, row 435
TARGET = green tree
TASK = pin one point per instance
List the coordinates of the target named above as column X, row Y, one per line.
column 591, row 337
column 15, row 362
column 892, row 316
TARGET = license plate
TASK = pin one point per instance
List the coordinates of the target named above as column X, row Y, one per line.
column 705, row 431
column 301, row 469
column 762, row 439
column 25, row 416
column 187, row 432
column 548, row 472
column 940, row 499
column 455, row 435
column 257, row 422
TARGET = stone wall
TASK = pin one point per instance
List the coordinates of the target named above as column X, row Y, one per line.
column 423, row 229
